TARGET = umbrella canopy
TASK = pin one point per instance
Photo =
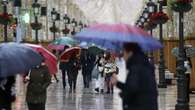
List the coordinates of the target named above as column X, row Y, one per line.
column 17, row 58
column 59, row 43
column 95, row 50
column 190, row 51
column 114, row 35
column 70, row 52
column 50, row 59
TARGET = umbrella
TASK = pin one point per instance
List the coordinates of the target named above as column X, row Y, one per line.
column 190, row 51
column 114, row 35
column 95, row 50
column 50, row 59
column 59, row 43
column 17, row 58
column 70, row 52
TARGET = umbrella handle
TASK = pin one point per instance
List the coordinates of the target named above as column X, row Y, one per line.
column 27, row 78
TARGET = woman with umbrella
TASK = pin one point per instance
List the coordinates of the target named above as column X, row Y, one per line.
column 38, row 81
column 139, row 92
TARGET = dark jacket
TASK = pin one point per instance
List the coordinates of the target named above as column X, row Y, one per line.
column 37, row 87
column 63, row 65
column 73, row 67
column 139, row 91
column 7, row 95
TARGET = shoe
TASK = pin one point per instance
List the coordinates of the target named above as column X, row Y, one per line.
column 102, row 90
column 108, row 92
column 96, row 90
column 57, row 81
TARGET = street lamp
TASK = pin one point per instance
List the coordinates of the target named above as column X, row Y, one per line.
column 146, row 13
column 152, row 7
column 54, row 18
column 162, row 80
column 182, row 80
column 66, row 22
column 80, row 25
column 74, row 25
column 36, row 10
column 5, row 2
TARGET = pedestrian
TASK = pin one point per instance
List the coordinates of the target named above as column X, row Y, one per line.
column 63, row 67
column 54, row 75
column 109, row 70
column 38, row 81
column 72, row 71
column 139, row 92
column 85, row 69
column 7, row 92
column 91, row 63
column 100, row 80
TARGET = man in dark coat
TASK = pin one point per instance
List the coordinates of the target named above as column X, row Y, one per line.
column 139, row 92
column 7, row 95
column 72, row 71
column 91, row 64
column 85, row 69
column 63, row 67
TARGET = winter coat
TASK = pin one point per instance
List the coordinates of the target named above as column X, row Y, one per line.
column 109, row 69
column 139, row 92
column 63, row 65
column 37, row 87
column 7, row 95
column 73, row 67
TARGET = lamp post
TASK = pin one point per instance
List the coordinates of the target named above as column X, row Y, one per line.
column 36, row 10
column 80, row 25
column 54, row 18
column 162, row 80
column 5, row 2
column 146, row 14
column 66, row 22
column 182, row 85
column 182, row 97
column 74, row 25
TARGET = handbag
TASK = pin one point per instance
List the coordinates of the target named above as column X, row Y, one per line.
column 95, row 72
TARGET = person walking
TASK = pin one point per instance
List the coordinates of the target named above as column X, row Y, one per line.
column 73, row 68
column 63, row 67
column 139, row 92
column 85, row 69
column 91, row 58
column 54, row 75
column 7, row 92
column 109, row 70
column 100, row 80
column 38, row 81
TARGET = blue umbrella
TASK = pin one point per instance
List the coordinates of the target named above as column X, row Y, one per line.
column 114, row 35
column 17, row 58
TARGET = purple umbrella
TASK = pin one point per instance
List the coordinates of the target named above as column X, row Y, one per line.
column 114, row 35
column 17, row 58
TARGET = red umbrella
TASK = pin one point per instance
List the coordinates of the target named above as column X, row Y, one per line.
column 70, row 52
column 50, row 59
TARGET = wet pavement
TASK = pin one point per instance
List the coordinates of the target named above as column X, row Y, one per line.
column 86, row 99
